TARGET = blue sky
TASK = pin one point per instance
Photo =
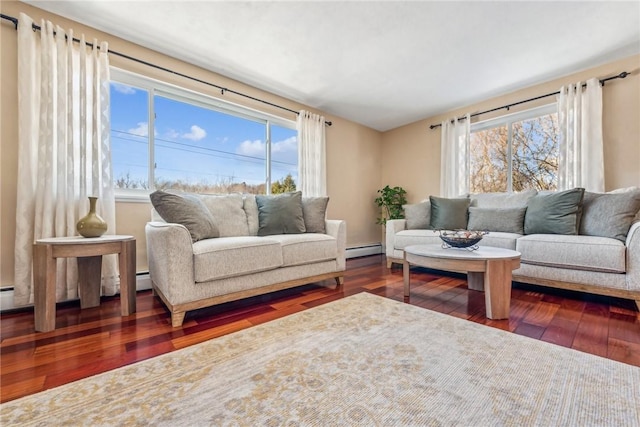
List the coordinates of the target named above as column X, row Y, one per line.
column 194, row 143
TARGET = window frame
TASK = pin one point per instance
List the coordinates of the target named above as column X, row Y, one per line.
column 507, row 120
column 177, row 93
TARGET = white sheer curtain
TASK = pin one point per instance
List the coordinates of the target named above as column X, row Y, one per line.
column 581, row 159
column 311, row 154
column 63, row 149
column 454, row 157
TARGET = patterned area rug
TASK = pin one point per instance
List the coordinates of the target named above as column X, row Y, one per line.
column 362, row 360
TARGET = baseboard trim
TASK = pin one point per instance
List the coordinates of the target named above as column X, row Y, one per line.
column 366, row 250
column 143, row 283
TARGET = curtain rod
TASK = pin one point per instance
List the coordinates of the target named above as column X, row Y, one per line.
column 149, row 64
column 622, row 75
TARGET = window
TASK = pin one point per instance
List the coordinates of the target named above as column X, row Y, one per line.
column 515, row 152
column 165, row 137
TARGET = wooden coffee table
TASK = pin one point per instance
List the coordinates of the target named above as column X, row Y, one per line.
column 488, row 269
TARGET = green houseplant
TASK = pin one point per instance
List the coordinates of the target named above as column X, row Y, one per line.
column 391, row 200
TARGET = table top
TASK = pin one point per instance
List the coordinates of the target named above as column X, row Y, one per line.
column 79, row 240
column 482, row 253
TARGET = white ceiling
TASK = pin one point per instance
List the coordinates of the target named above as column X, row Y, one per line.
column 381, row 64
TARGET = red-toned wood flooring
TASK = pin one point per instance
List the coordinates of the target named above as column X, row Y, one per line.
column 91, row 341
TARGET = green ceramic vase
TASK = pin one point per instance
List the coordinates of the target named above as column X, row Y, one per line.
column 91, row 225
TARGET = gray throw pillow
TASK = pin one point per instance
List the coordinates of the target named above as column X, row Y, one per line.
column 280, row 214
column 554, row 213
column 314, row 211
column 609, row 214
column 508, row 220
column 186, row 210
column 418, row 216
column 448, row 214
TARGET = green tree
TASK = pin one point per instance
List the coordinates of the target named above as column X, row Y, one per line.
column 287, row 185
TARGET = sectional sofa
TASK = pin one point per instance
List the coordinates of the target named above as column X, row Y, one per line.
column 593, row 246
column 210, row 249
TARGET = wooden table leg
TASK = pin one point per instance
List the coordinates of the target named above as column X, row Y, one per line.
column 405, row 277
column 127, row 262
column 497, row 288
column 475, row 280
column 90, row 279
column 44, row 291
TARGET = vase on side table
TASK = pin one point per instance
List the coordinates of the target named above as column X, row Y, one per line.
column 91, row 225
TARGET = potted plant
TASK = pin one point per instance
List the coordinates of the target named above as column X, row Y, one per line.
column 391, row 200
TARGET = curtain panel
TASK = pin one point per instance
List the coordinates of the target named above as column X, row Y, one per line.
column 63, row 149
column 312, row 154
column 581, row 158
column 454, row 156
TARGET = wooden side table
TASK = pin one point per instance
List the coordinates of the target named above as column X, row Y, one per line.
column 89, row 253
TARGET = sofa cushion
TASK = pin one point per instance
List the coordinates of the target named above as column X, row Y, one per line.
column 251, row 210
column 314, row 212
column 234, row 256
column 406, row 238
column 187, row 210
column 502, row 200
column 609, row 214
column 554, row 213
column 418, row 215
column 448, row 214
column 508, row 220
column 499, row 239
column 228, row 213
column 573, row 252
column 280, row 214
column 306, row 248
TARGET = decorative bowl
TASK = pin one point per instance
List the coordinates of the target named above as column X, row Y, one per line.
column 461, row 238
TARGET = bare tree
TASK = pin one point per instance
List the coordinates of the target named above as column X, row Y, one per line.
column 534, row 156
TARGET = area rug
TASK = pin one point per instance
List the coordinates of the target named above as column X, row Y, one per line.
column 361, row 360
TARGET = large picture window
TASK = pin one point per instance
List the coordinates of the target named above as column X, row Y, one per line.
column 165, row 137
column 515, row 152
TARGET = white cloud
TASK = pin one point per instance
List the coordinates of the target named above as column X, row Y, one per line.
column 252, row 148
column 119, row 87
column 289, row 145
column 141, row 130
column 172, row 134
column 196, row 134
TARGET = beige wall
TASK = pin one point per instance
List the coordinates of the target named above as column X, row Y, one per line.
column 412, row 153
column 353, row 151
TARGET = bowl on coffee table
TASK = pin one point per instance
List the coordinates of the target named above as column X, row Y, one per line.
column 463, row 239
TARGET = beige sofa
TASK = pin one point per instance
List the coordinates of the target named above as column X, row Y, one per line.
column 587, row 263
column 188, row 274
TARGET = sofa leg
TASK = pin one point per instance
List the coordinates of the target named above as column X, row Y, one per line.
column 177, row 319
column 339, row 281
column 389, row 264
column 638, row 304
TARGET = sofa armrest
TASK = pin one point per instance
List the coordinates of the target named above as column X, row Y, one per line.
column 170, row 257
column 633, row 257
column 338, row 229
column 392, row 227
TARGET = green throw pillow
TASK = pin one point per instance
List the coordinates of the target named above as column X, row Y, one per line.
column 507, row 220
column 554, row 213
column 418, row 216
column 187, row 210
column 280, row 214
column 609, row 214
column 314, row 211
column 449, row 214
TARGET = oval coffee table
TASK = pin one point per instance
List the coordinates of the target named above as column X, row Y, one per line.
column 487, row 268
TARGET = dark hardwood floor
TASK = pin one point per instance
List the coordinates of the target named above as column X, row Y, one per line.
column 91, row 341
